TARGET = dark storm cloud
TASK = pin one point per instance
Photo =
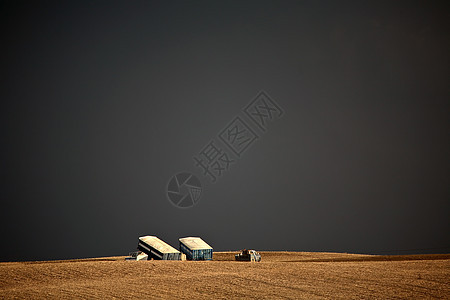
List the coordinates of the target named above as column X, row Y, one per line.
column 103, row 102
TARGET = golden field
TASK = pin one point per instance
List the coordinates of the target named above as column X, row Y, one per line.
column 280, row 275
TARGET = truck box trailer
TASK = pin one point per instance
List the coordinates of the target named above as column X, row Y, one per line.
column 157, row 249
column 195, row 248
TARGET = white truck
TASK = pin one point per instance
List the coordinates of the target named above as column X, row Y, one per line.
column 248, row 255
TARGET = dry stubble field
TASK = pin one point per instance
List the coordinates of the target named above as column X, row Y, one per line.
column 280, row 275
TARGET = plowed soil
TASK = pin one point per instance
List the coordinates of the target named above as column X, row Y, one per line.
column 280, row 275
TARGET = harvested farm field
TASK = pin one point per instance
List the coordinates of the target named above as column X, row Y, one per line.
column 280, row 275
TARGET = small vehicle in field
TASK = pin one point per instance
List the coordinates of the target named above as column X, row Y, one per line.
column 137, row 255
column 248, row 255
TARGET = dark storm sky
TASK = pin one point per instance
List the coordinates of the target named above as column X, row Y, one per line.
column 102, row 102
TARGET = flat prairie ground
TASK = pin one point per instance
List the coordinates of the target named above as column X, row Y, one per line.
column 280, row 275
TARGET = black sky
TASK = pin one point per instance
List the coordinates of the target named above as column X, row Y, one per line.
column 104, row 101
